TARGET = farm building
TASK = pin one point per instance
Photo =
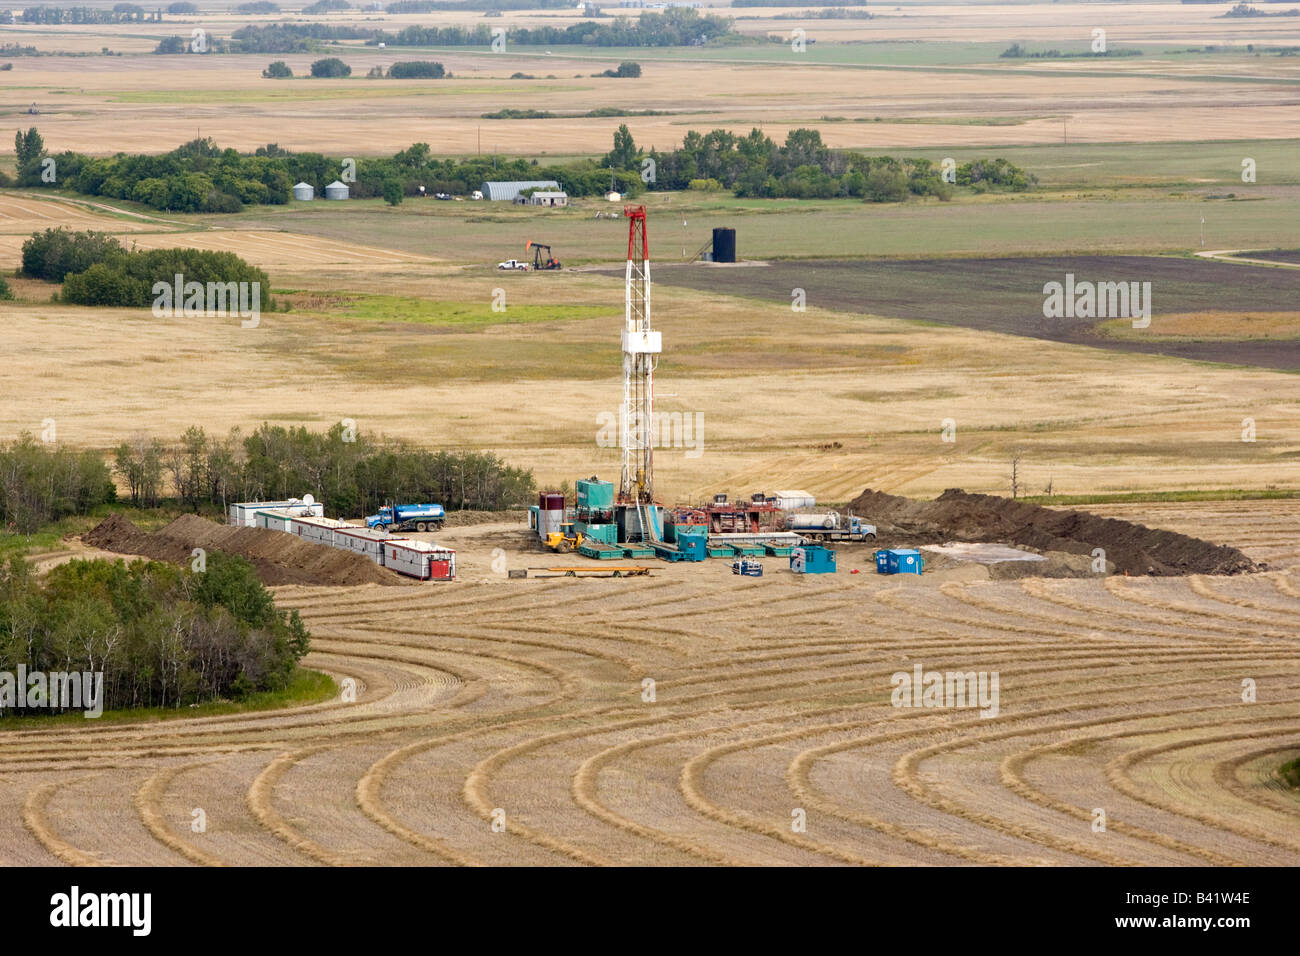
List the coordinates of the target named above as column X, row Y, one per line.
column 549, row 198
column 304, row 192
column 337, row 190
column 509, row 191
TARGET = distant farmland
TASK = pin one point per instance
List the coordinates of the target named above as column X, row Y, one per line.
column 1006, row 295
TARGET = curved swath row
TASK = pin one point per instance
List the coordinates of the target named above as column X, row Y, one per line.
column 523, row 707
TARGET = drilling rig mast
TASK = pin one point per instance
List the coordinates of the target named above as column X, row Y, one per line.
column 641, row 347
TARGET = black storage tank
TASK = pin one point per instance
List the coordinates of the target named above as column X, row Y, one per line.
column 724, row 245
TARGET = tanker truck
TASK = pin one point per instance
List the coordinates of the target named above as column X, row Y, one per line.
column 831, row 526
column 407, row 518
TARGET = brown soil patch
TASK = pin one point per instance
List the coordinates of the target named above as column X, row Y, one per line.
column 1133, row 548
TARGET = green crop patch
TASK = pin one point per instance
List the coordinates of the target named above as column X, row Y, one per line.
column 457, row 315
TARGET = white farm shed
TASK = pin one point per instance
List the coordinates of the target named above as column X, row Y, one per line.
column 510, row 190
column 549, row 198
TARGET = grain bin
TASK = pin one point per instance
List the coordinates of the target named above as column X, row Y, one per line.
column 304, row 192
column 336, row 190
column 724, row 245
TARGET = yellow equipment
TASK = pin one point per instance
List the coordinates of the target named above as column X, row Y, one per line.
column 564, row 541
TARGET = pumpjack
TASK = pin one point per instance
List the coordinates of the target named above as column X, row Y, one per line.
column 539, row 263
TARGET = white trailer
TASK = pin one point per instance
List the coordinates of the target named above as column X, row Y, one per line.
column 420, row 559
column 244, row 513
column 364, row 541
column 320, row 530
column 274, row 520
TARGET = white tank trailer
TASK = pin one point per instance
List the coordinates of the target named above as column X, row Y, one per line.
column 831, row 526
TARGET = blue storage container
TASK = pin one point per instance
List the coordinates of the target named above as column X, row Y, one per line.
column 812, row 559
column 899, row 561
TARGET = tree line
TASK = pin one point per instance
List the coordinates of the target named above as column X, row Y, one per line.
column 803, row 168
column 680, row 26
column 674, row 27
column 120, row 13
column 162, row 636
column 96, row 270
column 201, row 177
column 352, row 473
column 43, row 482
column 195, row 177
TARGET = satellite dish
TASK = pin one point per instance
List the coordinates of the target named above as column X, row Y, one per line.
column 308, row 500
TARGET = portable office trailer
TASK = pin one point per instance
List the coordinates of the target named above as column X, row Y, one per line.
column 320, row 530
column 274, row 519
column 420, row 559
column 364, row 541
column 244, row 513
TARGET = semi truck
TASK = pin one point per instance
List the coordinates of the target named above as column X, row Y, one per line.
column 407, row 518
column 832, row 526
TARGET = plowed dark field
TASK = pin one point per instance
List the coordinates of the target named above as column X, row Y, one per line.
column 1006, row 295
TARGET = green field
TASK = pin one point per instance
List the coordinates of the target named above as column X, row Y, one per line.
column 776, row 229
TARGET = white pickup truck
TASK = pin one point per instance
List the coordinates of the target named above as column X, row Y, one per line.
column 513, row 264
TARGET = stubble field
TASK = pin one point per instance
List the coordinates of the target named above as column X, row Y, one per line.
column 522, row 702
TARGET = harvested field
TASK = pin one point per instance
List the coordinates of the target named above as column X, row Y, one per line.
column 278, row 557
column 1006, row 295
column 525, row 696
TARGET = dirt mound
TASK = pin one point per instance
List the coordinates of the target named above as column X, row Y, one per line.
column 467, row 518
column 958, row 516
column 278, row 557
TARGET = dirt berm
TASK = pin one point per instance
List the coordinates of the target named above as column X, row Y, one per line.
column 958, row 516
column 278, row 557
